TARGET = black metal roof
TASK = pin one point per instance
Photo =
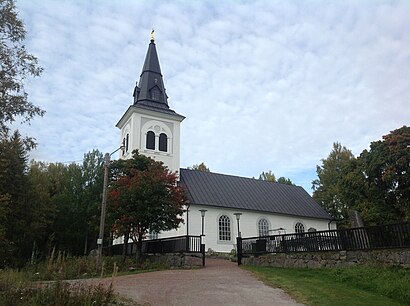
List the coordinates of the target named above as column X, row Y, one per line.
column 227, row 191
column 151, row 81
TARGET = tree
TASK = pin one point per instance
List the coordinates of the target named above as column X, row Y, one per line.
column 377, row 184
column 327, row 187
column 24, row 216
column 143, row 197
column 267, row 176
column 200, row 167
column 16, row 65
column 283, row 180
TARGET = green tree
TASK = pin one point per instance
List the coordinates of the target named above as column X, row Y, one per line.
column 267, row 176
column 327, row 187
column 16, row 65
column 74, row 191
column 92, row 177
column 284, row 180
column 143, row 197
column 378, row 183
column 25, row 217
column 200, row 167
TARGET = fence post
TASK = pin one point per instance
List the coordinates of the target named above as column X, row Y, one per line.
column 187, row 249
column 202, row 250
column 239, row 250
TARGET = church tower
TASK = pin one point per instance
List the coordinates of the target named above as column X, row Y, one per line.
column 149, row 125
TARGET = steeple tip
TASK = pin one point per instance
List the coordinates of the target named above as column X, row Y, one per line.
column 152, row 36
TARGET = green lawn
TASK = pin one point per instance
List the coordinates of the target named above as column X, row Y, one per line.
column 341, row 286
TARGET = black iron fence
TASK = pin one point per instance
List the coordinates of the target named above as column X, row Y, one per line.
column 178, row 244
column 373, row 237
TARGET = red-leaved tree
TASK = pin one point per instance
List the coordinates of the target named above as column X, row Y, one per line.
column 143, row 197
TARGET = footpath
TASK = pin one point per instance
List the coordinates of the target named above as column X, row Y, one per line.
column 219, row 283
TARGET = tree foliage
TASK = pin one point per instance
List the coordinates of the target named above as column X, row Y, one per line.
column 25, row 215
column 376, row 183
column 327, row 187
column 200, row 167
column 16, row 65
column 267, row 176
column 144, row 197
column 270, row 177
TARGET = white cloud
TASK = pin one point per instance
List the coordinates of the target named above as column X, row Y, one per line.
column 264, row 85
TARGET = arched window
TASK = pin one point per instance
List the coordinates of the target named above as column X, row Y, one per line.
column 150, row 140
column 299, row 228
column 263, row 227
column 224, row 228
column 311, row 230
column 163, row 142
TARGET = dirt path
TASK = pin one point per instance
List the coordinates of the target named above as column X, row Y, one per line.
column 220, row 283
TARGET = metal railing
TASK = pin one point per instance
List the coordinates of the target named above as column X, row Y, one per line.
column 362, row 238
column 179, row 244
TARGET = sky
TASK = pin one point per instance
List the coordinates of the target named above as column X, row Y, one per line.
column 264, row 85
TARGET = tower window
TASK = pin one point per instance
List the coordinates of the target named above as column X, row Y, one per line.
column 126, row 142
column 150, row 140
column 224, row 228
column 163, row 142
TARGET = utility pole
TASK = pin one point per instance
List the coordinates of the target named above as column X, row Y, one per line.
column 103, row 207
column 100, row 239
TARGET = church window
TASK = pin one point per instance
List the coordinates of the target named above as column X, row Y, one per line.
column 150, row 140
column 311, row 230
column 155, row 94
column 163, row 142
column 126, row 142
column 299, row 228
column 224, row 228
column 263, row 227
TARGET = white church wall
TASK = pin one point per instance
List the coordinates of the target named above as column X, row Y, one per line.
column 248, row 225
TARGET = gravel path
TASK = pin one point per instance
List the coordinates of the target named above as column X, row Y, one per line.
column 220, row 283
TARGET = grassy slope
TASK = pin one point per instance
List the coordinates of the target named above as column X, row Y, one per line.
column 344, row 286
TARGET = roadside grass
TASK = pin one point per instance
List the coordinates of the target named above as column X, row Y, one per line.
column 26, row 286
column 341, row 286
column 61, row 266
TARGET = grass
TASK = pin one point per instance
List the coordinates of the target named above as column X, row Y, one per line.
column 341, row 286
column 24, row 287
column 61, row 266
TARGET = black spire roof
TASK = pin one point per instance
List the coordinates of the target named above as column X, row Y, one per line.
column 149, row 92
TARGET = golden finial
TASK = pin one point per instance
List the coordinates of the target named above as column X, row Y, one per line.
column 152, row 35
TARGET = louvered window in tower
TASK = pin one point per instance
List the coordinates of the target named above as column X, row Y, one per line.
column 155, row 93
column 150, row 140
column 163, row 142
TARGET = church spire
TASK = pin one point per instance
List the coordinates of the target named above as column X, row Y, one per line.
column 150, row 90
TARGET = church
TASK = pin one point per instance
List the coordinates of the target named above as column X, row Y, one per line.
column 223, row 206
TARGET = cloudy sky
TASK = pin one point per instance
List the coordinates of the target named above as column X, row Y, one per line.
column 265, row 85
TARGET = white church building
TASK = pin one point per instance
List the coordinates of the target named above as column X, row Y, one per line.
column 263, row 207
